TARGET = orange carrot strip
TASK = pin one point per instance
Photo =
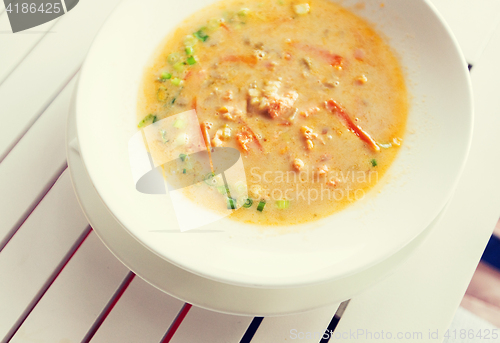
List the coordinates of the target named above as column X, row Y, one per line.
column 334, row 60
column 194, row 104
column 206, row 136
column 188, row 74
column 334, row 107
column 248, row 59
column 249, row 129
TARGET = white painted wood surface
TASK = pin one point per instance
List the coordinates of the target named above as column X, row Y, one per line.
column 18, row 45
column 205, row 326
column 76, row 298
column 422, row 295
column 306, row 327
column 33, row 165
column 143, row 314
column 472, row 23
column 61, row 55
column 36, row 251
column 435, row 279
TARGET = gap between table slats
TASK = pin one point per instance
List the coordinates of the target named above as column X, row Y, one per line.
column 109, row 307
column 141, row 314
column 49, row 282
column 32, row 207
column 35, row 163
column 18, row 45
column 71, row 43
column 32, row 258
column 76, row 298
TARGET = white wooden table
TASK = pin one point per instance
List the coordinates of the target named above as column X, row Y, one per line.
column 59, row 284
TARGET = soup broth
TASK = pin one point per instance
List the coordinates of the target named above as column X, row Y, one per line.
column 312, row 97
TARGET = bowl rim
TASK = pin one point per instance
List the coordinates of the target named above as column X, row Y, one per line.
column 106, row 200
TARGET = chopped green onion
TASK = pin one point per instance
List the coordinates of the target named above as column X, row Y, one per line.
column 231, row 204
column 222, row 190
column 374, row 162
column 179, row 66
column 162, row 94
column 165, row 76
column 164, row 136
column 201, row 35
column 209, row 180
column 282, row 204
column 149, row 119
column 189, row 51
column 248, row 203
column 215, row 23
column 240, row 187
column 182, row 139
column 190, row 41
column 173, row 58
column 176, row 81
column 243, row 12
column 179, row 124
column 191, row 60
column 183, row 157
column 261, row 205
column 184, row 171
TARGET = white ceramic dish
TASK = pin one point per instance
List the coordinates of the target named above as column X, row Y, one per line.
column 206, row 293
column 415, row 191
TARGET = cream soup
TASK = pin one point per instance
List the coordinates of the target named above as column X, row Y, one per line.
column 313, row 98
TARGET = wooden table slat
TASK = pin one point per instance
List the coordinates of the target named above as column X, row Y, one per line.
column 142, row 314
column 69, row 308
column 33, row 165
column 35, row 252
column 205, row 326
column 435, row 278
column 18, row 44
column 48, row 67
column 76, row 298
column 305, row 327
column 472, row 23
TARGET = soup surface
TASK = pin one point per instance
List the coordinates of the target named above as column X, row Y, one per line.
column 310, row 95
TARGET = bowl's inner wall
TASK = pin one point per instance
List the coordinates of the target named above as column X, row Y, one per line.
column 416, row 188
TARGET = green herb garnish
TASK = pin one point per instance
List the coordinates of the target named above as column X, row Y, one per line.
column 373, row 162
column 231, row 204
column 165, row 76
column 179, row 124
column 201, row 35
column 282, row 204
column 261, row 206
column 243, row 12
column 248, row 203
column 149, row 119
column 173, row 58
column 164, row 136
column 176, row 81
column 162, row 94
column 183, row 157
column 209, row 179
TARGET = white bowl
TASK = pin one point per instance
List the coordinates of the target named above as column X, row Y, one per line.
column 412, row 194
